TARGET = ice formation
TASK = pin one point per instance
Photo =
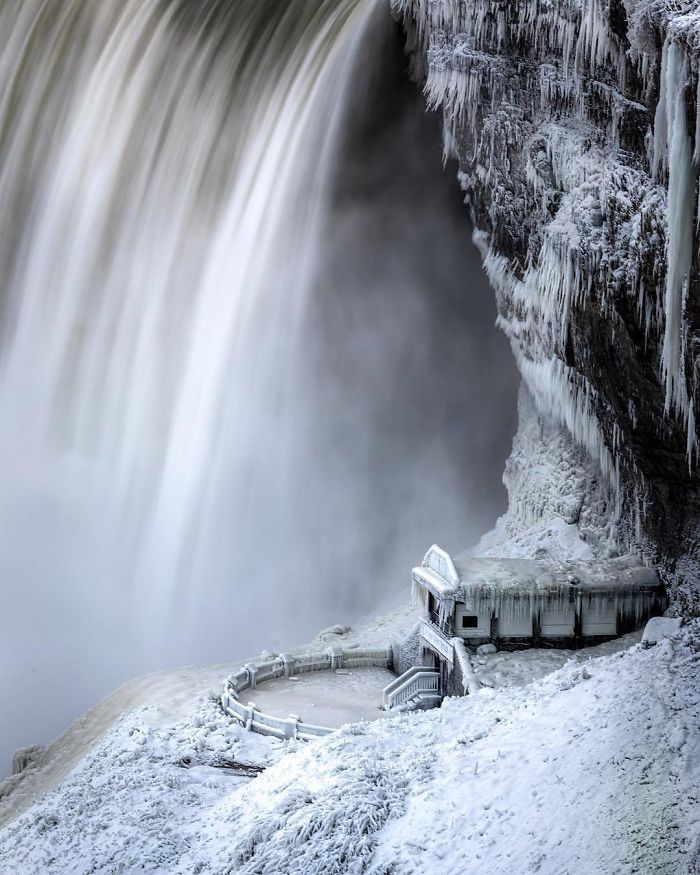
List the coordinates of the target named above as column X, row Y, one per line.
column 673, row 152
column 570, row 122
column 515, row 587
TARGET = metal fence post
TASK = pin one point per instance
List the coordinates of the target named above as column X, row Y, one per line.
column 288, row 662
column 336, row 657
column 251, row 716
column 252, row 670
column 296, row 720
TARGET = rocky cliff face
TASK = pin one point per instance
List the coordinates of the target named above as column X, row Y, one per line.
column 575, row 125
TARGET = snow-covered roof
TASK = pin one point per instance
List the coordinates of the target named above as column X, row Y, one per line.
column 485, row 577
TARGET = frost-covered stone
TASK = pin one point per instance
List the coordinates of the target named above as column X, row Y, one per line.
column 486, row 649
column 659, row 628
column 332, row 631
column 26, row 757
column 575, row 127
column 559, row 508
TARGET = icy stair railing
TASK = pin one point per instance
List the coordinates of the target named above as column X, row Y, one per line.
column 470, row 682
column 416, row 682
column 420, row 681
column 288, row 665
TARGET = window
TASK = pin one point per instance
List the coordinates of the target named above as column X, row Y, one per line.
column 470, row 622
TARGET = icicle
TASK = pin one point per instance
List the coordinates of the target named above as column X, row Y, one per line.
column 691, row 442
column 696, row 154
column 418, row 594
column 597, row 44
column 681, row 208
column 557, row 277
column 660, row 119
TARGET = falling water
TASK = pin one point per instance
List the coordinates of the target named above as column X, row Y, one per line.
column 170, row 174
column 167, row 176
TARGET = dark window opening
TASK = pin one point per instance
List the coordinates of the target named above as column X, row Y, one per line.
column 470, row 622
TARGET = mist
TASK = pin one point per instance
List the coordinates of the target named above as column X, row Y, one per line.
column 412, row 387
column 390, row 432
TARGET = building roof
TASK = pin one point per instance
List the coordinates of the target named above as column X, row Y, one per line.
column 466, row 577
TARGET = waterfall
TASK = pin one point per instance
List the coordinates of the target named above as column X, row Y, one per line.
column 234, row 368
column 165, row 168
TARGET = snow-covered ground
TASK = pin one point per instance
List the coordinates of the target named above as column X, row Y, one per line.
column 506, row 669
column 172, row 695
column 594, row 768
column 329, row 698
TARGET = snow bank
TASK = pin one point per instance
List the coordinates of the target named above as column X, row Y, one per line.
column 659, row 628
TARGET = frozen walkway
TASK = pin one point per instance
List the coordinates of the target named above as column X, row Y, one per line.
column 326, row 698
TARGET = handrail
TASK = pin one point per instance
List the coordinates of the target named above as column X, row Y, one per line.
column 437, row 639
column 470, row 682
column 255, row 720
column 399, row 681
column 287, row 665
column 413, row 683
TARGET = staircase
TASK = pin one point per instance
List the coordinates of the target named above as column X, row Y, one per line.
column 416, row 688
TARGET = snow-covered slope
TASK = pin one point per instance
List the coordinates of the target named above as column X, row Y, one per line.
column 574, row 124
column 594, row 769
column 170, row 696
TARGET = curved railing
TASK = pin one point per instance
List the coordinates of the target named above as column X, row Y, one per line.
column 288, row 665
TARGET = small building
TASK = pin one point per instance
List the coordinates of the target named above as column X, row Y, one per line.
column 519, row 603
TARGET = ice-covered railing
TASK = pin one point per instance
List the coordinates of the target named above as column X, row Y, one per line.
column 289, row 665
column 469, row 680
column 416, row 682
column 439, row 572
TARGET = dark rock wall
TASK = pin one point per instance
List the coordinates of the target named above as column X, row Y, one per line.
column 583, row 192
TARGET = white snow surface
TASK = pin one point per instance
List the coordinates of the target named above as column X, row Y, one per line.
column 326, row 698
column 593, row 769
column 660, row 627
column 521, row 667
column 554, row 539
column 172, row 695
column 557, row 507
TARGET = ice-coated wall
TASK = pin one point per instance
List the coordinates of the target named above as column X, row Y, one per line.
column 575, row 124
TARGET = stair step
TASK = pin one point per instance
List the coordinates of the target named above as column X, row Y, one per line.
column 420, row 702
